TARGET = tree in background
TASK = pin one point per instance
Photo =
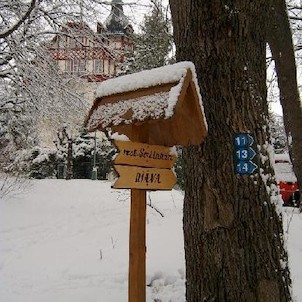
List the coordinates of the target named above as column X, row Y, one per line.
column 294, row 8
column 154, row 42
column 90, row 152
column 233, row 234
column 279, row 37
column 64, row 144
column 30, row 84
column 25, row 27
column 279, row 138
column 77, row 155
column 17, row 131
column 32, row 89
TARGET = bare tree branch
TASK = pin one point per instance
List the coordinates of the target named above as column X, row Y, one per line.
column 9, row 31
column 295, row 18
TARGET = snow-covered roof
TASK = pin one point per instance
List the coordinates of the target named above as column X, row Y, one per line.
column 284, row 172
column 150, row 95
column 145, row 79
column 282, row 157
column 284, row 169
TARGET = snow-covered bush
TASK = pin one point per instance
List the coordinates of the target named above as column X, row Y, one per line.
column 43, row 164
column 80, row 154
column 89, row 152
column 34, row 163
column 74, row 157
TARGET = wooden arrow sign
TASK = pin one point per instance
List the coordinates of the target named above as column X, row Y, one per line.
column 144, row 155
column 144, row 178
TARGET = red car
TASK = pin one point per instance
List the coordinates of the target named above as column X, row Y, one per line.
column 287, row 180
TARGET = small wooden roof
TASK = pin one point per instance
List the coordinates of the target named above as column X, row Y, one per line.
column 164, row 100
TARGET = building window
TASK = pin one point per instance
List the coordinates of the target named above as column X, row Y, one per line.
column 98, row 66
column 75, row 66
column 81, row 68
column 68, row 66
column 118, row 45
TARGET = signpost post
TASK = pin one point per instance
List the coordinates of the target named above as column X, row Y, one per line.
column 137, row 247
column 137, row 236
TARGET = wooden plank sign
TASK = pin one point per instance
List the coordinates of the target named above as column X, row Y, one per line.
column 143, row 155
column 144, row 178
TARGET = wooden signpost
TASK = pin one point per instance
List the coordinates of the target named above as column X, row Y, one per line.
column 145, row 162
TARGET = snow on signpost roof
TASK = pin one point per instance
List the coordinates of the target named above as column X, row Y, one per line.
column 145, row 79
column 150, row 95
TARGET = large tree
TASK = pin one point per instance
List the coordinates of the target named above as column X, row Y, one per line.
column 233, row 234
column 279, row 37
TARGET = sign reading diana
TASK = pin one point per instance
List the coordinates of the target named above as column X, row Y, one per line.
column 244, row 153
column 144, row 178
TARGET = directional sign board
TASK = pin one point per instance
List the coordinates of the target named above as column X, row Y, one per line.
column 144, row 155
column 243, row 140
column 144, row 178
column 245, row 167
column 244, row 153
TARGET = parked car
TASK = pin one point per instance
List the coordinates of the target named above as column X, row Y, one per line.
column 287, row 180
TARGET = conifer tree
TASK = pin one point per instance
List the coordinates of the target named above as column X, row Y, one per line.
column 154, row 42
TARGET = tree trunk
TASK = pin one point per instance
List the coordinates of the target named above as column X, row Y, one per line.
column 280, row 41
column 69, row 159
column 233, row 234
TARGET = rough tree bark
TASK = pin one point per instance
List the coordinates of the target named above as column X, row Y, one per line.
column 233, row 234
column 279, row 38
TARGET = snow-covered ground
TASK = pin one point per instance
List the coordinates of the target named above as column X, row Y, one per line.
column 68, row 241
